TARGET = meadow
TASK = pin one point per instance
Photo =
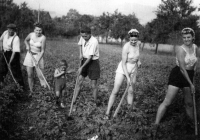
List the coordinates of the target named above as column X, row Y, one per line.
column 38, row 117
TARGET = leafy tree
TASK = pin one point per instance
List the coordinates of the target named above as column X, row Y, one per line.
column 171, row 18
column 122, row 24
column 105, row 22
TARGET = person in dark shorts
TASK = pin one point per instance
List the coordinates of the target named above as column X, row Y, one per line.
column 181, row 76
column 89, row 57
column 60, row 82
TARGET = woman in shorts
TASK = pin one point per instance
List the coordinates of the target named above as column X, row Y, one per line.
column 127, row 68
column 181, row 76
column 35, row 44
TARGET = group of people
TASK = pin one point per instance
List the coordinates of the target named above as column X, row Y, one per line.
column 181, row 76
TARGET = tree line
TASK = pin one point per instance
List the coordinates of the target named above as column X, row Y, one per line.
column 171, row 17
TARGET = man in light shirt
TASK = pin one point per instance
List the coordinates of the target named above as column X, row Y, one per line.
column 11, row 50
column 89, row 57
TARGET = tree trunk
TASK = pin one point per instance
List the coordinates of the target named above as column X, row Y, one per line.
column 106, row 37
column 143, row 46
column 156, row 51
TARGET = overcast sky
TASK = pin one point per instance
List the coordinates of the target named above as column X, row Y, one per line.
column 144, row 9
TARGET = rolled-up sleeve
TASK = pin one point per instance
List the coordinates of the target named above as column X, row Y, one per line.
column 93, row 48
column 16, row 44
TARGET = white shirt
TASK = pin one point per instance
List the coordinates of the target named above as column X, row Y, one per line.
column 90, row 48
column 8, row 40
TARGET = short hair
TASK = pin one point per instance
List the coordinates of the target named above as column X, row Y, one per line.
column 38, row 24
column 188, row 31
column 85, row 29
column 64, row 62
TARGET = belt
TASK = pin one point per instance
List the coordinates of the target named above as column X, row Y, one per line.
column 7, row 50
column 33, row 53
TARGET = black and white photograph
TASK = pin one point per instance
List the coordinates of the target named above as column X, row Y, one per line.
column 99, row 69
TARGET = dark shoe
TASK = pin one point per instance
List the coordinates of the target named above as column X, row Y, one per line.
column 98, row 103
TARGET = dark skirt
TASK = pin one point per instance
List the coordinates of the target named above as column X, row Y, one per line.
column 177, row 79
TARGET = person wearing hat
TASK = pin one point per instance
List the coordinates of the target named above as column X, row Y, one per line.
column 11, row 50
column 127, row 68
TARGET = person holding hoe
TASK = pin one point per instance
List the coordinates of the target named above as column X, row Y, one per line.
column 89, row 57
column 35, row 44
column 10, row 59
column 127, row 68
column 181, row 76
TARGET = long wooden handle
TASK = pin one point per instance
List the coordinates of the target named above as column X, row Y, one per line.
column 10, row 70
column 195, row 115
column 74, row 95
column 121, row 101
column 40, row 72
column 126, row 91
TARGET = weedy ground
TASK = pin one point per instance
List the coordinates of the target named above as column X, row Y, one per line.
column 38, row 118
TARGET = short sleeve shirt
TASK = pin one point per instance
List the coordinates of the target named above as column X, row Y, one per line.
column 8, row 40
column 90, row 48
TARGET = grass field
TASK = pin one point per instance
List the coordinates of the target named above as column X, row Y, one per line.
column 39, row 118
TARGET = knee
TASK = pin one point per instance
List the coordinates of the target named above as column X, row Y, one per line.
column 166, row 102
column 189, row 104
column 94, row 86
column 130, row 90
column 30, row 75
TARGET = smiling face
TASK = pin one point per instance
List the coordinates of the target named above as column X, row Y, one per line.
column 133, row 40
column 187, row 39
column 38, row 31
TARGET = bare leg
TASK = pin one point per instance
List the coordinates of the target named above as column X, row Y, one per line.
column 95, row 89
column 171, row 93
column 118, row 82
column 78, row 87
column 130, row 96
column 30, row 77
column 42, row 81
column 188, row 102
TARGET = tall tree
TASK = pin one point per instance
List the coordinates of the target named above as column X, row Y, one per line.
column 105, row 22
column 122, row 24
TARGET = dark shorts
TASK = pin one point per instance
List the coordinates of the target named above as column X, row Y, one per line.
column 92, row 69
column 60, row 84
column 177, row 79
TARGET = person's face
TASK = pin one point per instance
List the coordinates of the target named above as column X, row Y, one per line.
column 133, row 41
column 86, row 36
column 11, row 32
column 38, row 31
column 63, row 67
column 187, row 39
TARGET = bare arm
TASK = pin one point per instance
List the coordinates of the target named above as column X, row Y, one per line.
column 80, row 51
column 26, row 42
column 124, row 60
column 43, row 47
column 16, row 47
column 181, row 57
column 57, row 73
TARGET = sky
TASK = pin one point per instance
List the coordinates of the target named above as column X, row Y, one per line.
column 143, row 9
